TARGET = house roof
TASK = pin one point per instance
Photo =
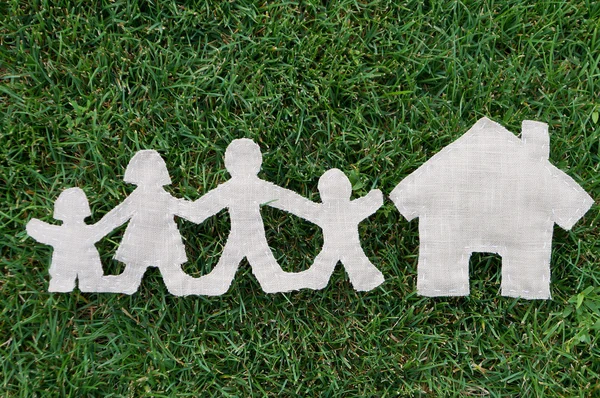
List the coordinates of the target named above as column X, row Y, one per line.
column 487, row 170
column 485, row 134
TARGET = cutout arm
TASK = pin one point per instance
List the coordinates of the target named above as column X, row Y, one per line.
column 294, row 203
column 207, row 206
column 368, row 204
column 42, row 232
column 186, row 209
column 113, row 219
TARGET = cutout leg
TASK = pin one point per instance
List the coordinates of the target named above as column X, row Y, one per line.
column 270, row 276
column 443, row 273
column 526, row 274
column 363, row 275
column 316, row 277
column 216, row 282
column 273, row 279
column 127, row 282
column 63, row 272
column 177, row 281
column 62, row 282
column 90, row 278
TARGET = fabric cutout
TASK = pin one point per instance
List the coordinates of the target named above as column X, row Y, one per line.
column 75, row 257
column 339, row 217
column 243, row 195
column 490, row 192
column 151, row 238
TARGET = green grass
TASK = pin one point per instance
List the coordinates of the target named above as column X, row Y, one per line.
column 373, row 88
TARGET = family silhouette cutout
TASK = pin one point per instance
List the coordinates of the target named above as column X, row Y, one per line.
column 488, row 191
column 151, row 238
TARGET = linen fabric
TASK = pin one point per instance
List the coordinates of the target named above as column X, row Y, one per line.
column 151, row 238
column 490, row 191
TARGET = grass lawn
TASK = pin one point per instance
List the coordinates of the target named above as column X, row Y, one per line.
column 373, row 88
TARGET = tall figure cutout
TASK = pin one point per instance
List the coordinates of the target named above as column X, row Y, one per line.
column 243, row 195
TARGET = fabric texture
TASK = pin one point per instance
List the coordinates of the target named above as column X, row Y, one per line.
column 75, row 256
column 490, row 191
column 151, row 238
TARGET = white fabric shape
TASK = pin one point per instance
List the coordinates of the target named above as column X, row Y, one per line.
column 490, row 192
column 151, row 238
column 339, row 217
column 243, row 195
column 74, row 256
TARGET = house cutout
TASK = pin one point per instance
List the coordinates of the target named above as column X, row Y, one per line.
column 490, row 191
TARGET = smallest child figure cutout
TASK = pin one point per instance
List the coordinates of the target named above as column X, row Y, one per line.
column 75, row 256
column 338, row 217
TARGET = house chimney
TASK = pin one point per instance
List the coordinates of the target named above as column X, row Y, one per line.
column 536, row 139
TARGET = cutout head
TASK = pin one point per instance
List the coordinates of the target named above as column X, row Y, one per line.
column 147, row 168
column 243, row 158
column 334, row 184
column 72, row 205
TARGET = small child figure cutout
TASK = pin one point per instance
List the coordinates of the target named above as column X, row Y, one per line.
column 75, row 256
column 338, row 217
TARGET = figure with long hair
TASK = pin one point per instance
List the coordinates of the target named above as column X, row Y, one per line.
column 151, row 238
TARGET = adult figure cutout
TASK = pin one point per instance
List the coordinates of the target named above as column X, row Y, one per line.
column 243, row 196
column 151, row 238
